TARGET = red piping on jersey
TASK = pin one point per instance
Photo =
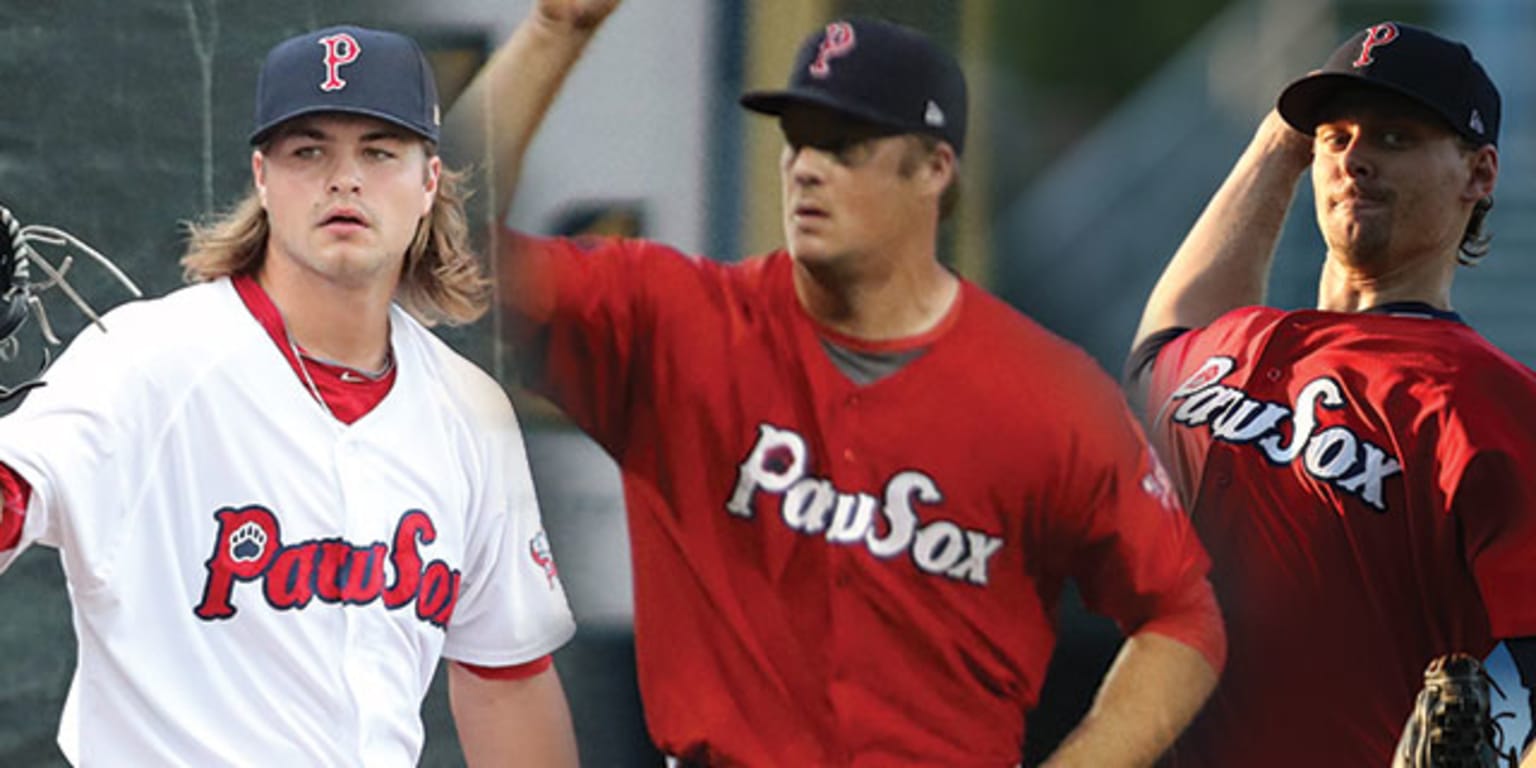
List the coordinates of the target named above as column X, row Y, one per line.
column 349, row 400
column 16, row 493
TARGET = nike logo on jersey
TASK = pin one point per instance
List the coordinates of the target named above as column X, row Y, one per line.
column 812, row 506
column 249, row 548
column 1335, row 455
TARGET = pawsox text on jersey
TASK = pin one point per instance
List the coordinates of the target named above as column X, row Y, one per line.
column 812, row 506
column 1335, row 455
column 248, row 547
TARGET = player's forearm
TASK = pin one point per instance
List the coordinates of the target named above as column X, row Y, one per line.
column 1149, row 695
column 1224, row 261
column 511, row 722
column 497, row 116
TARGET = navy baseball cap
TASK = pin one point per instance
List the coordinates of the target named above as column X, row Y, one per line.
column 347, row 69
column 876, row 71
column 1398, row 58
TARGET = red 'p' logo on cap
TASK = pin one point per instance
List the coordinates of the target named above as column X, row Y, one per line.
column 340, row 49
column 838, row 41
column 1381, row 34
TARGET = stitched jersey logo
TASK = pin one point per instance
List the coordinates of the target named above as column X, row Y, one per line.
column 248, row 548
column 1335, row 455
column 812, row 506
column 1157, row 484
column 538, row 551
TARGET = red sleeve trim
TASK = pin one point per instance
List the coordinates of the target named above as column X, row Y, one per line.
column 16, row 493
column 513, row 672
column 1194, row 620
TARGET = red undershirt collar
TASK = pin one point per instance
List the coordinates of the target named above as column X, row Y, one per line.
column 350, row 397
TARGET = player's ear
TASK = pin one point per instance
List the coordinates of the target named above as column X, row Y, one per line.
column 940, row 167
column 1484, row 163
column 434, row 177
column 259, row 175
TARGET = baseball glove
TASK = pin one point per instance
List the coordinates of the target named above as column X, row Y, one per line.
column 1451, row 725
column 13, row 300
column 19, row 292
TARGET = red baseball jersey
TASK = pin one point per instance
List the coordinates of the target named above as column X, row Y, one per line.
column 824, row 570
column 1363, row 482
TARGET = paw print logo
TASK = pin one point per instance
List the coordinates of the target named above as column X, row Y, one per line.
column 247, row 543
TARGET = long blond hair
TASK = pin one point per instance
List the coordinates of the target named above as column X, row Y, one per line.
column 441, row 280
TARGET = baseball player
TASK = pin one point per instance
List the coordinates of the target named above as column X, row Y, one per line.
column 855, row 482
column 278, row 498
column 1359, row 472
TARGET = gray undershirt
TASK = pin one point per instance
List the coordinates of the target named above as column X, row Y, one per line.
column 865, row 368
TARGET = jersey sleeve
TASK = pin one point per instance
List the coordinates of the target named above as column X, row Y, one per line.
column 585, row 316
column 1137, row 374
column 67, row 441
column 512, row 607
column 15, row 536
column 1167, row 367
column 1495, row 505
column 1134, row 554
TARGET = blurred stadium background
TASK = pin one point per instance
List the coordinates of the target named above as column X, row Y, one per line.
column 1098, row 131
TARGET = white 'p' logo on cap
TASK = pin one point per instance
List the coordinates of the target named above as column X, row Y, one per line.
column 340, row 49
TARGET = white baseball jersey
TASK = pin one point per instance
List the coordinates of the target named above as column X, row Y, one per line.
column 254, row 582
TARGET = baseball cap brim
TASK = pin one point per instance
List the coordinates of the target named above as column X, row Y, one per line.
column 1302, row 102
column 778, row 102
column 264, row 132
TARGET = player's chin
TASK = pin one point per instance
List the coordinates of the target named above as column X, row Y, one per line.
column 809, row 255
column 351, row 262
column 1365, row 248
column 806, row 246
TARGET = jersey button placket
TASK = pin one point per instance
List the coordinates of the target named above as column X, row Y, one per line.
column 849, row 469
column 1219, row 467
column 848, row 585
column 845, row 644
column 362, row 623
column 352, row 488
column 851, row 404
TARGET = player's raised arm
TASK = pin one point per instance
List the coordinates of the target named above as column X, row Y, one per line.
column 1224, row 261
column 504, row 105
